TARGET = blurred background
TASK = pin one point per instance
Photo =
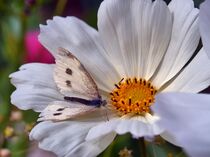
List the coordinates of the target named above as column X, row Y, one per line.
column 19, row 28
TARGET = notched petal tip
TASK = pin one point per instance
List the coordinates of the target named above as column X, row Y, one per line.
column 137, row 128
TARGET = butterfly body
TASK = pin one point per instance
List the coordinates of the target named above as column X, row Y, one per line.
column 80, row 92
column 95, row 102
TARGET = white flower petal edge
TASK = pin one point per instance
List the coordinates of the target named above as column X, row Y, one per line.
column 135, row 34
column 35, row 87
column 68, row 138
column 137, row 126
column 184, row 40
column 186, row 117
column 195, row 77
column 204, row 24
column 82, row 41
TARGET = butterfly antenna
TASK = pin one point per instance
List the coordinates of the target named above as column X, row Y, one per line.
column 106, row 114
column 104, row 104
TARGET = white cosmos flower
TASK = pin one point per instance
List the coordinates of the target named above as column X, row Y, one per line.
column 186, row 117
column 204, row 23
column 149, row 44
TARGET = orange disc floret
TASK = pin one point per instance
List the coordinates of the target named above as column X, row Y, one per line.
column 133, row 96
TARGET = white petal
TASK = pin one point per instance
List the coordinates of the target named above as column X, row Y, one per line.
column 195, row 77
column 135, row 34
column 34, row 74
column 186, row 117
column 68, row 138
column 34, row 151
column 84, row 42
column 170, row 138
column 204, row 24
column 93, row 147
column 138, row 127
column 184, row 40
column 35, row 87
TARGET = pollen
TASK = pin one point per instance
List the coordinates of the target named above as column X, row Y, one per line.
column 133, row 96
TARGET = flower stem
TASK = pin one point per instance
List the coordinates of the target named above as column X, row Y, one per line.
column 142, row 147
column 60, row 7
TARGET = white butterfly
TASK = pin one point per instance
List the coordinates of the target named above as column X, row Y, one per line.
column 80, row 92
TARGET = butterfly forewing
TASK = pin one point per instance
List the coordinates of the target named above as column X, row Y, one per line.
column 72, row 78
column 77, row 86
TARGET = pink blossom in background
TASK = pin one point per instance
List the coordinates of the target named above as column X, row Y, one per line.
column 35, row 52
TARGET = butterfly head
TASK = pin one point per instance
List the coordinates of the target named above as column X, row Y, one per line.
column 102, row 102
column 97, row 103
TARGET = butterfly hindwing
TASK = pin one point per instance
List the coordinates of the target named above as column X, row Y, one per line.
column 61, row 110
column 72, row 78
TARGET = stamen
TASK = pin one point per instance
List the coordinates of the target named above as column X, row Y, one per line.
column 117, row 93
column 129, row 101
column 135, row 79
column 121, row 81
column 133, row 96
column 127, row 82
column 117, row 86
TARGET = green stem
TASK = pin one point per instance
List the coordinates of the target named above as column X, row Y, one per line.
column 60, row 7
column 142, row 147
column 21, row 47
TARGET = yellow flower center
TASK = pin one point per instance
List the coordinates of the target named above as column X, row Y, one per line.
column 133, row 96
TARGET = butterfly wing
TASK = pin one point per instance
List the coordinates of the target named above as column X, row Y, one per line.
column 61, row 110
column 72, row 78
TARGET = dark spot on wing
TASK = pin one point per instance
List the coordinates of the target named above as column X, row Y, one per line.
column 65, row 52
column 57, row 114
column 82, row 68
column 69, row 71
column 60, row 109
column 68, row 83
column 70, row 55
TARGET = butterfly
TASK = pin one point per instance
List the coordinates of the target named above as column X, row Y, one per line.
column 80, row 92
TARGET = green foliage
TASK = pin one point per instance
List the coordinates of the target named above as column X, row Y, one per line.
column 18, row 146
column 152, row 149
